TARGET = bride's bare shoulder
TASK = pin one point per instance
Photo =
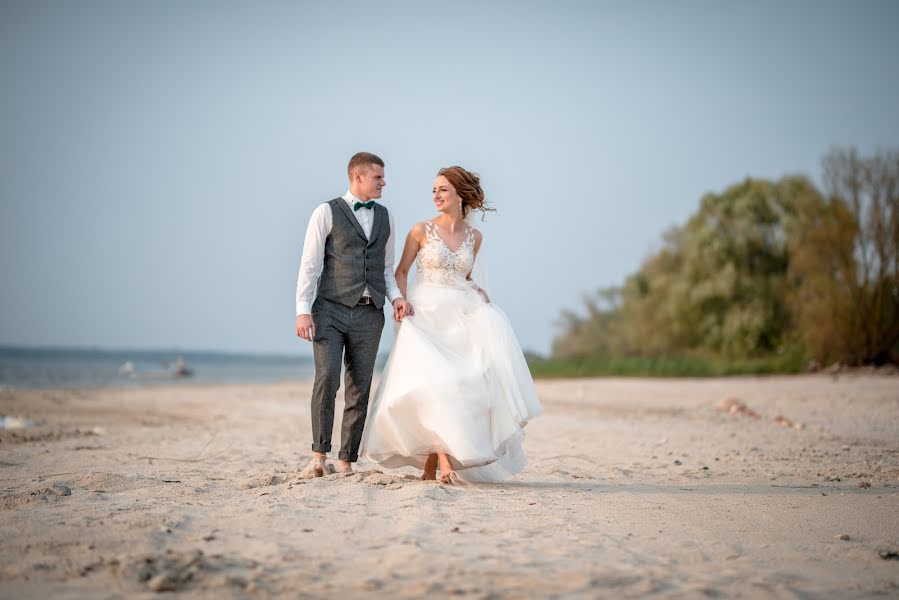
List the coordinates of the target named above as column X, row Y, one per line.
column 418, row 230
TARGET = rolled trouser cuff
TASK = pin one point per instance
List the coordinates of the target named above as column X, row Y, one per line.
column 321, row 448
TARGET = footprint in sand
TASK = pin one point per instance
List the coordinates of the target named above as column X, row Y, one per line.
column 263, row 480
column 177, row 571
column 376, row 478
column 373, row 478
column 55, row 492
column 113, row 483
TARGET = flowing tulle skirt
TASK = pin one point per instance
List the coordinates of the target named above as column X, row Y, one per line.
column 456, row 382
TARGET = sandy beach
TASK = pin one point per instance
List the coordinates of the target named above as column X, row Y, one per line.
column 635, row 488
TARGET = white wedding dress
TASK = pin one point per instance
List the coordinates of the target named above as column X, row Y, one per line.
column 456, row 381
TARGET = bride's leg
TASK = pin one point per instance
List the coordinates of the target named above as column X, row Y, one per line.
column 430, row 472
column 446, row 468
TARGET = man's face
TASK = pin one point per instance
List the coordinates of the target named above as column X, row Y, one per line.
column 370, row 181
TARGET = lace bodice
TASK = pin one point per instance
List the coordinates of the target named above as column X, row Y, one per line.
column 436, row 263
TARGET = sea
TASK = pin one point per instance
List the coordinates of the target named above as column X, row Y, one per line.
column 91, row 368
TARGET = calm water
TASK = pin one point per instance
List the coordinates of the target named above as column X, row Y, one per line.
column 65, row 368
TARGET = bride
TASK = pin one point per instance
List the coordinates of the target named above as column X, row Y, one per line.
column 456, row 392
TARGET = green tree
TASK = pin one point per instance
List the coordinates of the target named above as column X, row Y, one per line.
column 761, row 270
column 719, row 284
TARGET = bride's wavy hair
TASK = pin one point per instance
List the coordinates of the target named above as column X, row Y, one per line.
column 468, row 186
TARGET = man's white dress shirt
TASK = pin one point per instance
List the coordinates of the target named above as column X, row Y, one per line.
column 314, row 253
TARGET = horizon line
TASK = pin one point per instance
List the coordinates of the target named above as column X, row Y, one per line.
column 125, row 349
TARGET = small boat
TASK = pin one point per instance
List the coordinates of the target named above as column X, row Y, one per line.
column 179, row 370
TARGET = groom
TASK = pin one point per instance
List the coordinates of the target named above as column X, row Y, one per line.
column 348, row 256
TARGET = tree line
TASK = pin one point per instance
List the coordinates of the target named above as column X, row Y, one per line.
column 781, row 273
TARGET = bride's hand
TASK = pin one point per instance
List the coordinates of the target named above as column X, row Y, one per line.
column 401, row 308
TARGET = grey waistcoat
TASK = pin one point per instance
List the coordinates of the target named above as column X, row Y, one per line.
column 353, row 261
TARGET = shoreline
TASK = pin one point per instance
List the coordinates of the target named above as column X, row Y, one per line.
column 844, row 372
column 837, row 372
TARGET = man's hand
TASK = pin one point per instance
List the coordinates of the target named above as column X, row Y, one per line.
column 401, row 309
column 305, row 327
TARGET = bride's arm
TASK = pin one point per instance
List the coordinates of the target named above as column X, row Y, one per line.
column 410, row 250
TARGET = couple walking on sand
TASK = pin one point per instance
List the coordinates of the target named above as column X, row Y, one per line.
column 456, row 392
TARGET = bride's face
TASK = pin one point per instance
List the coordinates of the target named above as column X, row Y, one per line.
column 445, row 197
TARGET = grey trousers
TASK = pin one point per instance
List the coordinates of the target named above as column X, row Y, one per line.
column 349, row 335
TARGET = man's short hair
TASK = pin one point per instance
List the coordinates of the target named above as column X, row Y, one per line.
column 361, row 160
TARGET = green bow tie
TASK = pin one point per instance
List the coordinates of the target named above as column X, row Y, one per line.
column 359, row 205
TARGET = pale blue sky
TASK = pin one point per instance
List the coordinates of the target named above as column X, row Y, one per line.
column 159, row 161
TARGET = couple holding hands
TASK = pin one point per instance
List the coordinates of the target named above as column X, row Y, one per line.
column 456, row 392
